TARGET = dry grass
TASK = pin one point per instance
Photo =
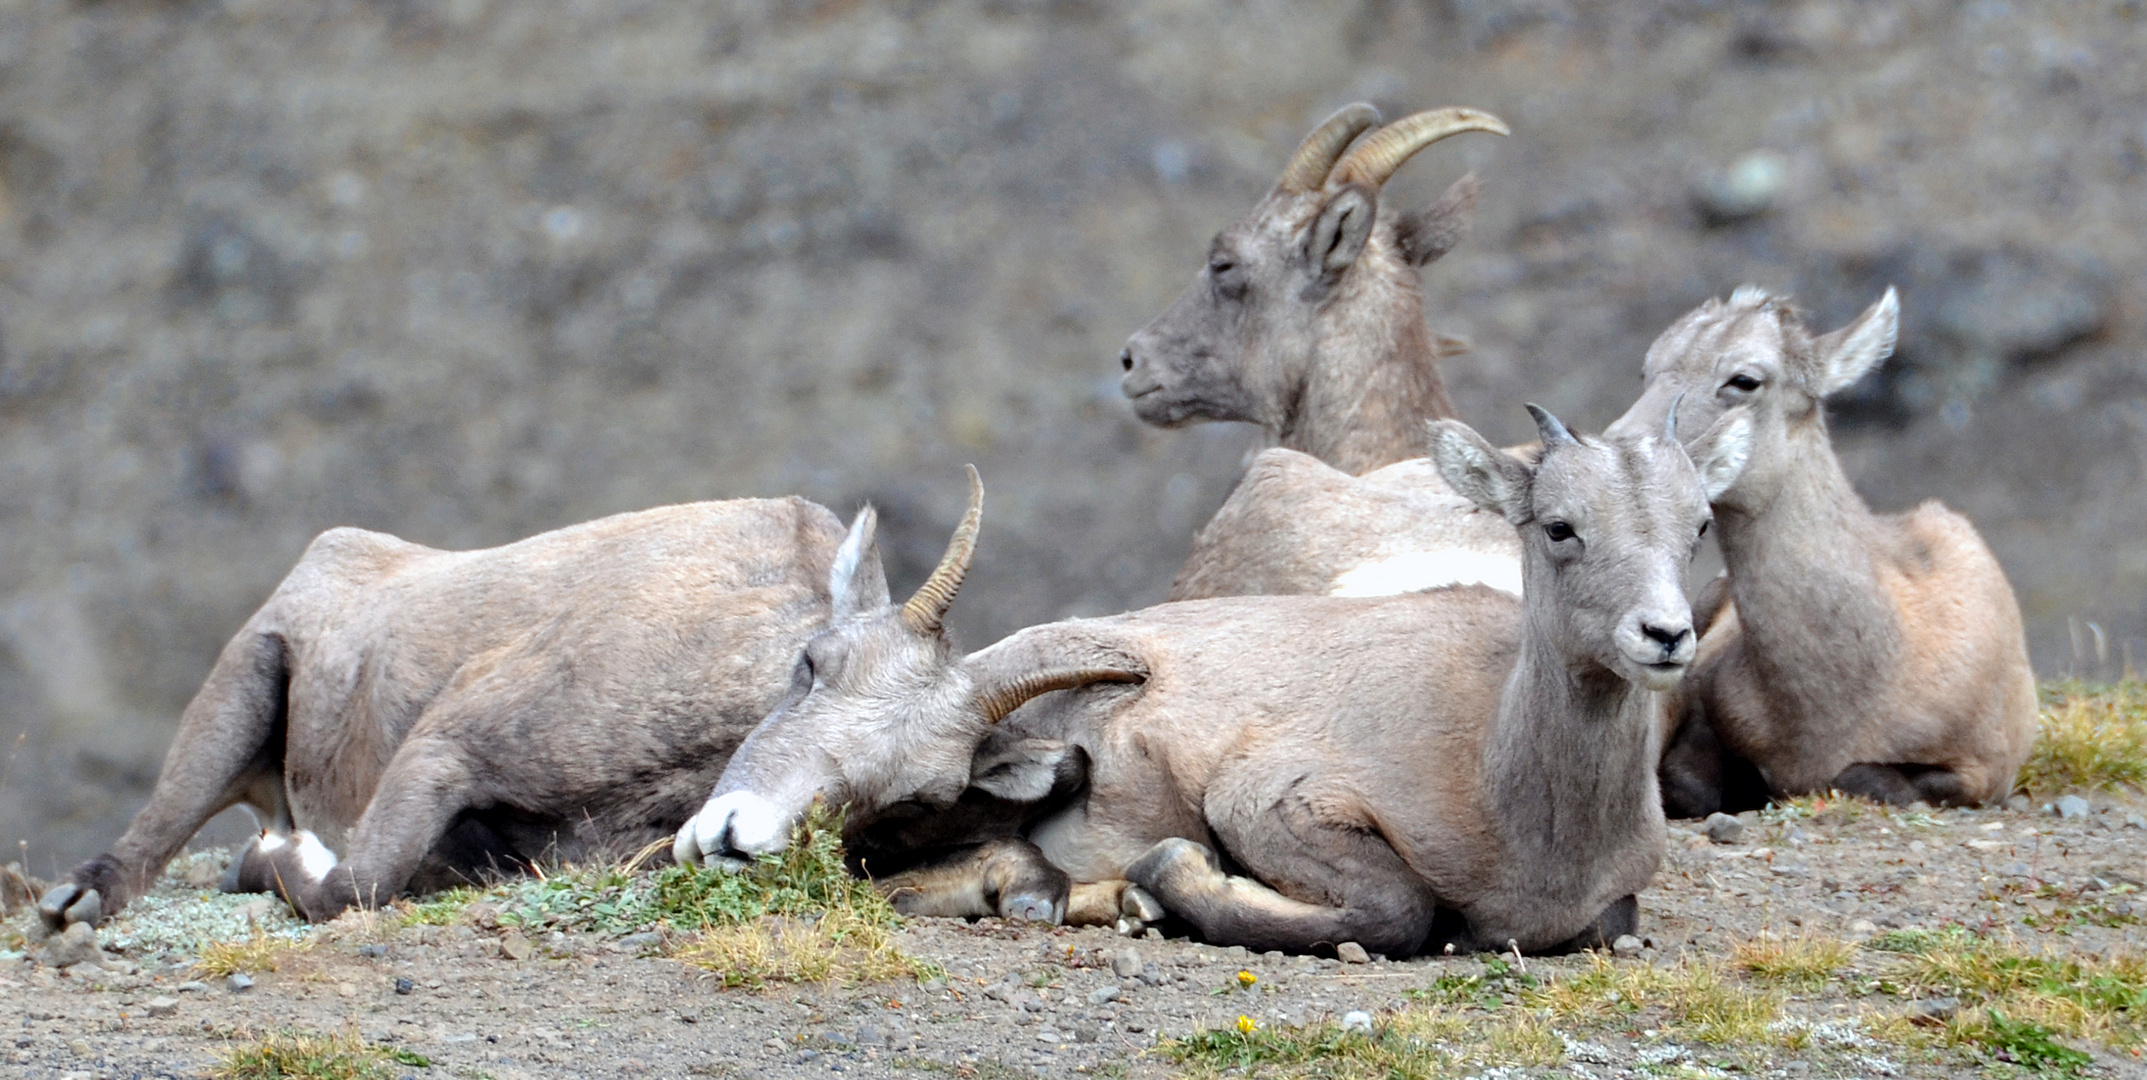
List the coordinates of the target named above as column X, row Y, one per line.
column 1412, row 1044
column 1695, row 999
column 2092, row 738
column 293, row 1056
column 2080, row 997
column 1802, row 963
column 840, row 946
column 259, row 953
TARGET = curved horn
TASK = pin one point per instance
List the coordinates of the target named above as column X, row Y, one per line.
column 1315, row 157
column 1377, row 158
column 997, row 701
column 926, row 612
column 1669, row 422
column 1549, row 428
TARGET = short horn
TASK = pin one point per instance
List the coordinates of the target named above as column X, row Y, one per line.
column 1316, row 156
column 926, row 612
column 998, row 701
column 1373, row 161
column 1549, row 428
column 1669, row 422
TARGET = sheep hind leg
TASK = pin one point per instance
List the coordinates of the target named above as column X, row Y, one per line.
column 229, row 749
column 1008, row 878
column 1384, row 912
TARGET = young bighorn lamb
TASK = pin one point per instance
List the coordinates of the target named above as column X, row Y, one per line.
column 1308, row 320
column 1880, row 655
column 425, row 714
column 1362, row 765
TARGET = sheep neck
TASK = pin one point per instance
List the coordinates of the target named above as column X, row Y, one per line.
column 1373, row 378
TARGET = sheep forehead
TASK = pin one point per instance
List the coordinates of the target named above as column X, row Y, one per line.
column 1718, row 335
column 1624, row 484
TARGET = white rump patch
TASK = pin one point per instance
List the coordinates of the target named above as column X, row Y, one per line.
column 313, row 856
column 1421, row 570
column 269, row 843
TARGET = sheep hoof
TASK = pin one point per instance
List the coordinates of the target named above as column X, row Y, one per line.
column 1140, row 906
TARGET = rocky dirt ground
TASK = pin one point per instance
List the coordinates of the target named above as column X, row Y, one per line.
column 1018, row 999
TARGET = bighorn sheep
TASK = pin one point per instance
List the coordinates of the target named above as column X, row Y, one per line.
column 1880, row 655
column 1363, row 764
column 427, row 714
column 1308, row 320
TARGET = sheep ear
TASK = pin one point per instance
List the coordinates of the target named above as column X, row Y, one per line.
column 1720, row 454
column 1480, row 472
column 857, row 583
column 1848, row 354
column 1339, row 234
column 1021, row 771
column 1426, row 234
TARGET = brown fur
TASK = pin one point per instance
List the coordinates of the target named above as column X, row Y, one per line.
column 1880, row 654
column 576, row 691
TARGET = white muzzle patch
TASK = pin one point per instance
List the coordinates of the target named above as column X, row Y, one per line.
column 731, row 829
column 314, row 858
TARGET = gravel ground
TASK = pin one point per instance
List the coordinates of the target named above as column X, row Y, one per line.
column 1020, row 999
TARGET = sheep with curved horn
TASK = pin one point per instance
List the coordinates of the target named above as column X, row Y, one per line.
column 1367, row 763
column 1308, row 320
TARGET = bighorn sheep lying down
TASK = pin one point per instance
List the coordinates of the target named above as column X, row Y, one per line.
column 1308, row 320
column 1880, row 655
column 402, row 715
column 1362, row 765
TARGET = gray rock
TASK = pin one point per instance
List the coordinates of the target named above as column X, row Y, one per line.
column 2073, row 806
column 1126, row 963
column 239, row 982
column 2019, row 869
column 163, row 1006
column 1747, row 189
column 1349, row 952
column 1087, row 1033
column 634, row 943
column 1626, row 946
column 2017, row 802
column 1357, row 1020
column 192, row 986
column 1722, row 828
column 75, row 945
column 2134, row 821
column 1102, row 994
column 1934, row 1011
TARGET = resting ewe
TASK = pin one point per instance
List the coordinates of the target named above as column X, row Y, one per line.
column 1308, row 320
column 1881, row 655
column 404, row 716
column 1362, row 766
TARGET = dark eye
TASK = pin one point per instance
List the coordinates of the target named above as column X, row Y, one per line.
column 1558, row 531
column 1743, row 382
column 1703, row 527
column 1219, row 267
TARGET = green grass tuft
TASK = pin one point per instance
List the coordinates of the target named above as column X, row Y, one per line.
column 2092, row 738
column 300, row 1056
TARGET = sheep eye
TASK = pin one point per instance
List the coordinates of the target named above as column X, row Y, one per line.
column 1219, row 267
column 1703, row 528
column 1558, row 531
column 1743, row 382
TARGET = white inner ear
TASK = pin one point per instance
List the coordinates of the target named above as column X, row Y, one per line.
column 856, row 582
column 1023, row 772
column 1723, row 456
column 1863, row 345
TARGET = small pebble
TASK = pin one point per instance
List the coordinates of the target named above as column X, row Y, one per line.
column 1357, row 1020
column 1863, row 927
column 238, row 982
column 372, row 952
column 1722, row 828
column 1126, row 963
column 404, row 986
column 514, row 946
column 1626, row 946
column 193, row 987
column 1102, row 994
column 163, row 1006
column 1934, row 1011
column 2073, row 806
column 1349, row 952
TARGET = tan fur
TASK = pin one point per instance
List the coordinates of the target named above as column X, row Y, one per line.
column 1878, row 653
column 573, row 692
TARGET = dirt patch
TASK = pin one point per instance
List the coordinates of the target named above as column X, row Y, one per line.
column 1023, row 999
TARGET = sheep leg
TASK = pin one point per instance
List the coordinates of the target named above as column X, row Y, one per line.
column 1376, row 901
column 426, row 786
column 229, row 749
column 1008, row 878
column 1900, row 785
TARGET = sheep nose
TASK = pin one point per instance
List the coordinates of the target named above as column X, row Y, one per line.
column 1671, row 636
column 1125, row 357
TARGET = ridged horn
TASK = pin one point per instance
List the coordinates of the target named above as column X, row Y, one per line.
column 1549, row 428
column 1374, row 160
column 1669, row 423
column 1316, row 156
column 998, row 701
column 926, row 612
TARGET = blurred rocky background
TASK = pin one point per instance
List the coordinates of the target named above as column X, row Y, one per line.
column 468, row 270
